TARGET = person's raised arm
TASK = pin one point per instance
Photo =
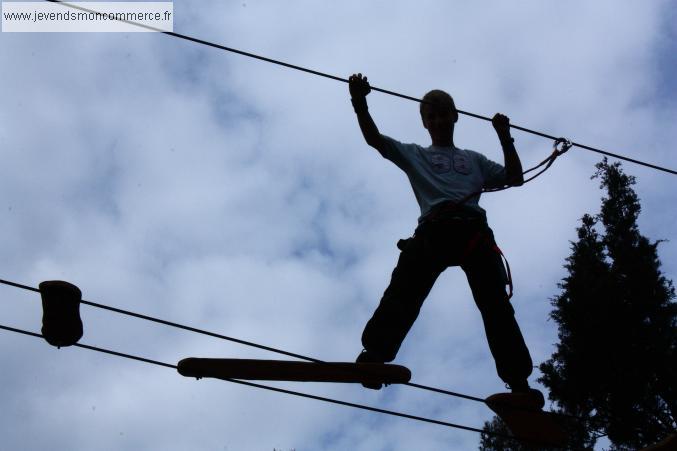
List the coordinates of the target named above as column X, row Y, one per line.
column 359, row 88
column 513, row 165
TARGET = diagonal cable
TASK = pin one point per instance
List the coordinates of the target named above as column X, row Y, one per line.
column 344, row 80
column 227, row 338
column 259, row 346
column 288, row 392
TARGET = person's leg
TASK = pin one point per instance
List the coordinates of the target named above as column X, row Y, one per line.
column 487, row 279
column 411, row 281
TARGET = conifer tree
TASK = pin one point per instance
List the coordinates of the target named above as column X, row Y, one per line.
column 616, row 314
column 615, row 364
column 490, row 442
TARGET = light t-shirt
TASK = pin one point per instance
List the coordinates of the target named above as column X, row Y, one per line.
column 441, row 174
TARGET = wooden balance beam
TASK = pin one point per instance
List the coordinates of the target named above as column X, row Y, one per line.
column 285, row 370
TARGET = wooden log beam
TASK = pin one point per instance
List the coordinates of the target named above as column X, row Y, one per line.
column 284, row 370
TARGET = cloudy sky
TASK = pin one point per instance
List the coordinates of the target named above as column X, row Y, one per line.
column 225, row 193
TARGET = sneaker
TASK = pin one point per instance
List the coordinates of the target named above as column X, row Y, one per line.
column 369, row 357
column 61, row 323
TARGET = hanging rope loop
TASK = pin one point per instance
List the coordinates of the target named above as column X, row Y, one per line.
column 559, row 147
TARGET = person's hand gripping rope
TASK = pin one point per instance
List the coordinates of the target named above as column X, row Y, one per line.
column 359, row 89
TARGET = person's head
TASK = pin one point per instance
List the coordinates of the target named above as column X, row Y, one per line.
column 438, row 113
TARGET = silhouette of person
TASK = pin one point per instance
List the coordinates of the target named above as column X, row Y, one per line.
column 452, row 231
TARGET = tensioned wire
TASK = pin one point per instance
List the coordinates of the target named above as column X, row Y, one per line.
column 334, row 77
column 299, row 394
column 227, row 338
column 268, row 348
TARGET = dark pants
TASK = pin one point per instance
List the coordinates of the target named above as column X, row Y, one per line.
column 436, row 246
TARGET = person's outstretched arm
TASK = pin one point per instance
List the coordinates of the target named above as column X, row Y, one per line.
column 359, row 88
column 513, row 165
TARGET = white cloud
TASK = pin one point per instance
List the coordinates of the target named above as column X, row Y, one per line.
column 229, row 194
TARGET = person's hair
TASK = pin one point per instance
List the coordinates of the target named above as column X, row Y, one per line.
column 437, row 97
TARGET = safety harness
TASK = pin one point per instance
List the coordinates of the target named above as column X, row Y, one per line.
column 444, row 213
column 446, row 210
